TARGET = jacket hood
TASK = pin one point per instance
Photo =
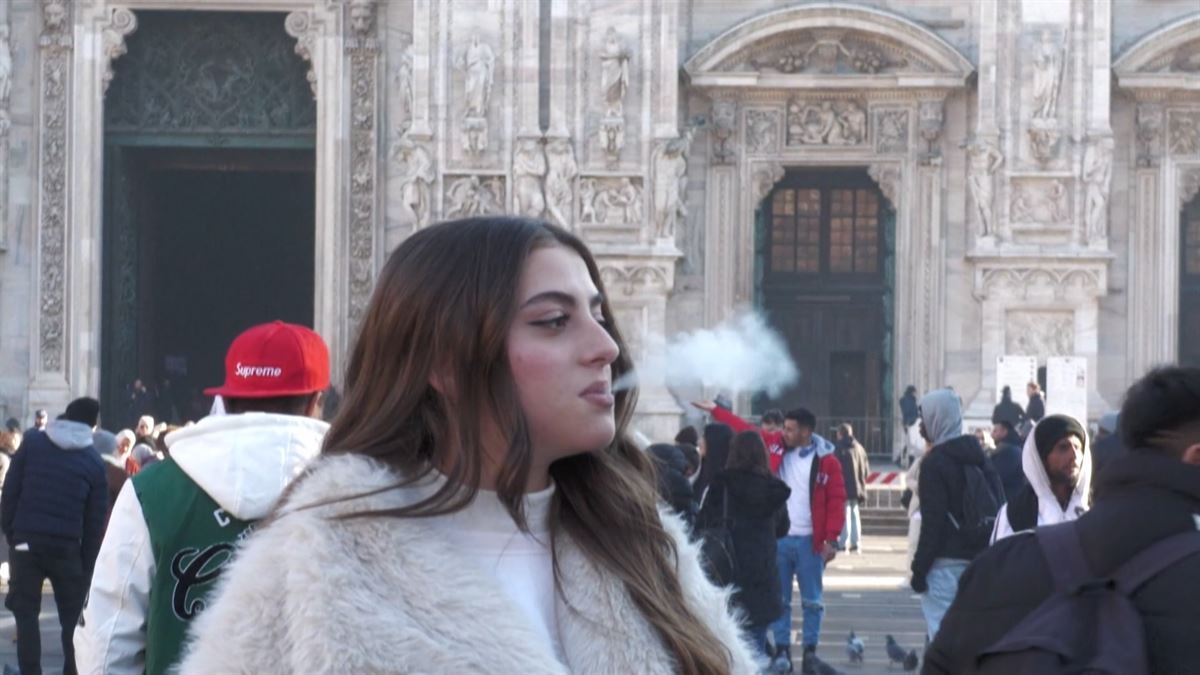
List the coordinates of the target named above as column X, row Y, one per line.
column 964, row 449
column 824, row 446
column 941, row 412
column 758, row 496
column 1049, row 511
column 245, row 461
column 1142, row 468
column 69, row 435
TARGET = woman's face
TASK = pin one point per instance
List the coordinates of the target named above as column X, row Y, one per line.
column 561, row 355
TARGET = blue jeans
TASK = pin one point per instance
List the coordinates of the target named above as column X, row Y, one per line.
column 852, row 530
column 943, row 586
column 796, row 558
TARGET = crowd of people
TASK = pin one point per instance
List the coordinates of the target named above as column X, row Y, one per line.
column 477, row 505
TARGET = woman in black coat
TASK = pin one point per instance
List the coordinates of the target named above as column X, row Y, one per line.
column 754, row 502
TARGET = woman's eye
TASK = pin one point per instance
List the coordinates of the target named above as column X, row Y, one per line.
column 556, row 322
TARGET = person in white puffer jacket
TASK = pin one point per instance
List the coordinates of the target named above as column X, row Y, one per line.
column 1057, row 460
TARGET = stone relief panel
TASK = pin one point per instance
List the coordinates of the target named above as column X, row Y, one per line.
column 1183, row 59
column 362, row 47
column 1047, row 283
column 890, row 130
column 834, row 123
column 473, row 195
column 826, row 51
column 1040, row 201
column 611, row 201
column 763, row 130
column 723, row 131
column 931, row 118
column 1184, row 132
column 1149, row 133
column 635, row 278
column 1039, row 333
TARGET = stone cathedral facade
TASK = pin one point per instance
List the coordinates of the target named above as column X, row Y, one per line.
column 910, row 188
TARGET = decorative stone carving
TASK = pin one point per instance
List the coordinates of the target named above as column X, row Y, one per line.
column 1186, row 59
column 1040, row 201
column 1065, row 283
column 669, row 164
column 931, row 117
column 403, row 81
column 6, row 72
column 1184, row 131
column 1097, row 177
column 828, row 51
column 363, row 50
column 724, row 125
column 56, row 47
column 610, row 201
column 888, row 177
column 826, row 123
column 635, row 278
column 762, row 130
column 1048, row 65
column 891, row 130
column 1189, row 186
column 121, row 23
column 478, row 63
column 614, row 84
column 473, row 195
column 1149, row 133
column 984, row 159
column 1042, row 334
column 529, row 170
column 561, row 171
column 416, row 184
column 300, row 25
column 765, row 177
column 1043, row 139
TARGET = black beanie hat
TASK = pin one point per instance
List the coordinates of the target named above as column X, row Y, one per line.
column 1053, row 429
column 83, row 410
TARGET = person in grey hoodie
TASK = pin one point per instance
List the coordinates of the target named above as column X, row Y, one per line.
column 176, row 523
column 946, row 544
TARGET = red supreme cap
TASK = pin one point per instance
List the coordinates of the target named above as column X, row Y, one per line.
column 275, row 359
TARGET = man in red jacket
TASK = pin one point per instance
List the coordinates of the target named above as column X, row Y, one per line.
column 771, row 428
column 817, row 510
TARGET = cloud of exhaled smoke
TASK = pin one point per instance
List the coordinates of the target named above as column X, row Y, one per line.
column 743, row 354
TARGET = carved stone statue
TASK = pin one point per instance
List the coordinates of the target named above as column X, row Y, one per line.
column 724, row 123
column 362, row 16
column 416, row 182
column 1047, row 77
column 984, row 159
column 478, row 63
column 614, row 74
column 404, row 87
column 669, row 163
column 529, row 170
column 1097, row 175
column 761, row 131
column 473, row 196
column 6, row 69
column 587, row 196
column 560, row 175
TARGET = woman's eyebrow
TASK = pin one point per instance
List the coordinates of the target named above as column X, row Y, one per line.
column 562, row 298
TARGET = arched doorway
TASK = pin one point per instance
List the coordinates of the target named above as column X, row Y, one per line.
column 1189, row 284
column 209, row 202
column 825, row 245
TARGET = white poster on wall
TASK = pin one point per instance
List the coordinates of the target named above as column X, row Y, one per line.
column 1067, row 387
column 1015, row 372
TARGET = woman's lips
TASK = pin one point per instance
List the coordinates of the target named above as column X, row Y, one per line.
column 599, row 395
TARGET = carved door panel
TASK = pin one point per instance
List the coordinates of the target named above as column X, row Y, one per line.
column 124, row 197
column 1189, row 285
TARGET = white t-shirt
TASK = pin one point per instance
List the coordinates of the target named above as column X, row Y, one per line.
column 521, row 563
column 795, row 471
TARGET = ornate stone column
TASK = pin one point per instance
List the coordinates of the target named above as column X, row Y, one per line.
column 362, row 51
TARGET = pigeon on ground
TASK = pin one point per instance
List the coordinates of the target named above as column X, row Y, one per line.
column 911, row 661
column 855, row 648
column 896, row 653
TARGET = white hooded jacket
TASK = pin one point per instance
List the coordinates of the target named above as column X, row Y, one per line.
column 243, row 462
column 1049, row 510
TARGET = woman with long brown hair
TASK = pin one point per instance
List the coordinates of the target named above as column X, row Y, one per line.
column 478, row 507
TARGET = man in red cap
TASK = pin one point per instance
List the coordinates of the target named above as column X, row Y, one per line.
column 175, row 524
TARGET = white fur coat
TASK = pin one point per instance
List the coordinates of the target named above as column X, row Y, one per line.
column 383, row 595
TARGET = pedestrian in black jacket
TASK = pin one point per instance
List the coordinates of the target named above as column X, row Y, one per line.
column 855, row 467
column 1142, row 497
column 52, row 511
column 1006, row 458
column 1036, row 410
column 1008, row 410
column 944, row 549
column 755, row 504
column 673, row 485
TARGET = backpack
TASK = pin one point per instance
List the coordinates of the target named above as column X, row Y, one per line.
column 979, row 507
column 716, row 545
column 1089, row 624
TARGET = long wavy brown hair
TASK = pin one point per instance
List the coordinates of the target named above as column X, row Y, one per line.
column 444, row 303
